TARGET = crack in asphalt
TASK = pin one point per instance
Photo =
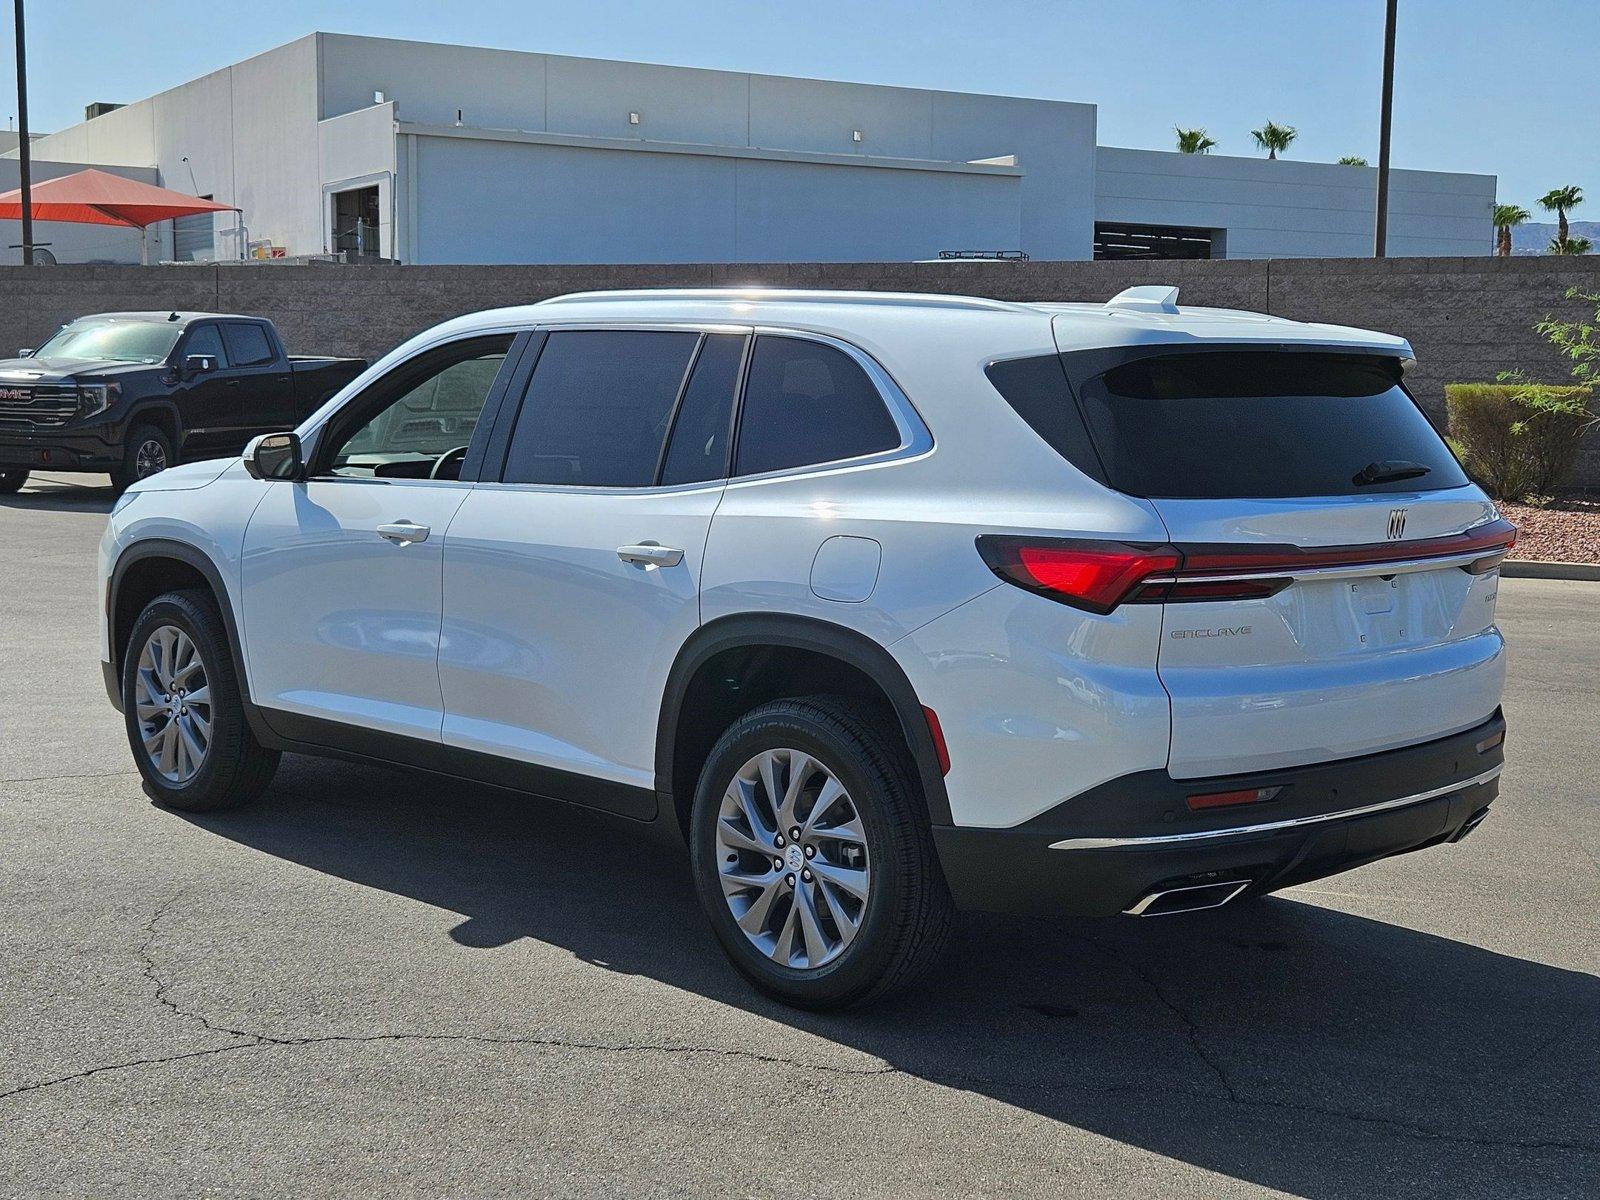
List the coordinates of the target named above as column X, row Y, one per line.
column 1409, row 1130
column 253, row 1040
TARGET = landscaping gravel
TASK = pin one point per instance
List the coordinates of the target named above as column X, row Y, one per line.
column 1563, row 531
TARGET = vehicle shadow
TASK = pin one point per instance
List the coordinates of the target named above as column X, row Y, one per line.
column 53, row 493
column 1284, row 1044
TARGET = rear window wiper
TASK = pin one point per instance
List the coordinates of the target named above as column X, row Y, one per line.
column 1389, row 470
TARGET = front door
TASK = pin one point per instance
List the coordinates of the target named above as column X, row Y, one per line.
column 570, row 585
column 341, row 573
column 208, row 401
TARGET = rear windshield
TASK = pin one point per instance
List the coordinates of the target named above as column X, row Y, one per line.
column 1262, row 424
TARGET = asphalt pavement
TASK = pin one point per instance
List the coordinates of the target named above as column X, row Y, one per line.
column 375, row 982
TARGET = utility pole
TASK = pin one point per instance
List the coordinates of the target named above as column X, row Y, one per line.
column 24, row 152
column 1380, row 238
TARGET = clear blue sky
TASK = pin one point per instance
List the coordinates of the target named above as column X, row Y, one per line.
column 1506, row 89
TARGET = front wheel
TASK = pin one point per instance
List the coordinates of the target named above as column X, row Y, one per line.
column 813, row 857
column 185, row 712
column 148, row 450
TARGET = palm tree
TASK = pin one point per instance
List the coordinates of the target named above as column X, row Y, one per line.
column 1558, row 201
column 1570, row 245
column 1273, row 137
column 1352, row 160
column 1506, row 217
column 1193, row 141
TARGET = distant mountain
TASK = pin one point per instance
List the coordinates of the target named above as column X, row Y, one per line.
column 1534, row 237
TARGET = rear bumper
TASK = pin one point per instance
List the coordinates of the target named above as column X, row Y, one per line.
column 1109, row 849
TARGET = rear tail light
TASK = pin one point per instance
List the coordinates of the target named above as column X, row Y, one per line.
column 1094, row 576
column 1097, row 576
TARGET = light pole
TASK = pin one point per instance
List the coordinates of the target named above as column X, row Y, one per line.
column 24, row 158
column 1380, row 236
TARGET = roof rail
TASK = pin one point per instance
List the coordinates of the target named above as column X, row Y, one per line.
column 790, row 296
column 1152, row 298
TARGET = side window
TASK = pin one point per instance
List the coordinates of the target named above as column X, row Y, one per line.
column 248, row 345
column 698, row 450
column 597, row 409
column 204, row 339
column 806, row 403
column 417, row 421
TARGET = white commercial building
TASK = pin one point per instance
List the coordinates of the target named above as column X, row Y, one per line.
column 454, row 154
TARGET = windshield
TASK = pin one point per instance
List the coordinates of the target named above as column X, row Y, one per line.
column 119, row 341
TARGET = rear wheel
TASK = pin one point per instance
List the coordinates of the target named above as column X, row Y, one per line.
column 813, row 858
column 11, row 482
column 147, row 451
column 184, row 710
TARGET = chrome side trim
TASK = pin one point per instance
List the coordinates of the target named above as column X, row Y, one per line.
column 1204, row 835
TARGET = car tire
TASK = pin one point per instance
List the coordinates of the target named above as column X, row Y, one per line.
column 11, row 482
column 186, row 723
column 147, row 451
column 786, row 931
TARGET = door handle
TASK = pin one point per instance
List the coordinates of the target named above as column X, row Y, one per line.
column 650, row 556
column 403, row 533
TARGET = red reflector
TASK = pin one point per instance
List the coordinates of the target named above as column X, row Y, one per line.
column 939, row 747
column 1229, row 799
column 1490, row 742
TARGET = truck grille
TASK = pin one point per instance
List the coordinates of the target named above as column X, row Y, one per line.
column 42, row 404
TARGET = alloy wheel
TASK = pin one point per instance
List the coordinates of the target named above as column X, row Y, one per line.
column 792, row 858
column 149, row 458
column 172, row 700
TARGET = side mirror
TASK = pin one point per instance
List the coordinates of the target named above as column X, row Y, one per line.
column 199, row 364
column 25, row 352
column 274, row 456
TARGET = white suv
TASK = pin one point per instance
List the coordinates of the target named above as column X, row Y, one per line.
column 882, row 604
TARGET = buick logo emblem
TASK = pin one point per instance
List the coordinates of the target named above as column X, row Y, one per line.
column 1397, row 523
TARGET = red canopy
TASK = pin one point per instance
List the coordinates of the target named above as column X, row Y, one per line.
column 97, row 198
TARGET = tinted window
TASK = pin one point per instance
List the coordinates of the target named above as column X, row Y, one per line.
column 247, row 345
column 421, row 414
column 699, row 447
column 1037, row 389
column 808, row 403
column 1258, row 424
column 598, row 407
column 204, row 339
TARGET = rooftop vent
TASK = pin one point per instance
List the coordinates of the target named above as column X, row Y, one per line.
column 99, row 109
column 1152, row 298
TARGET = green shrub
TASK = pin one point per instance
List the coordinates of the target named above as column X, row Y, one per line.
column 1517, row 439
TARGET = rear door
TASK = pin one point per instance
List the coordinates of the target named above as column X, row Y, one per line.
column 262, row 389
column 1338, row 585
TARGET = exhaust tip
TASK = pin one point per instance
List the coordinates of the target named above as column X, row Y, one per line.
column 1194, row 897
column 1470, row 824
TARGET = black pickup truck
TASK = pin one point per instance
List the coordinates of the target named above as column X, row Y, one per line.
column 133, row 393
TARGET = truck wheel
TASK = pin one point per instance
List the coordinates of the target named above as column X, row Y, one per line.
column 148, row 450
column 11, row 482
column 184, row 712
column 813, row 857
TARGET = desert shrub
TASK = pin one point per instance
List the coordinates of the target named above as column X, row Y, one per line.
column 1484, row 427
column 1517, row 439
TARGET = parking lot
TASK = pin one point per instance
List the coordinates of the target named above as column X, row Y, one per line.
column 378, row 982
